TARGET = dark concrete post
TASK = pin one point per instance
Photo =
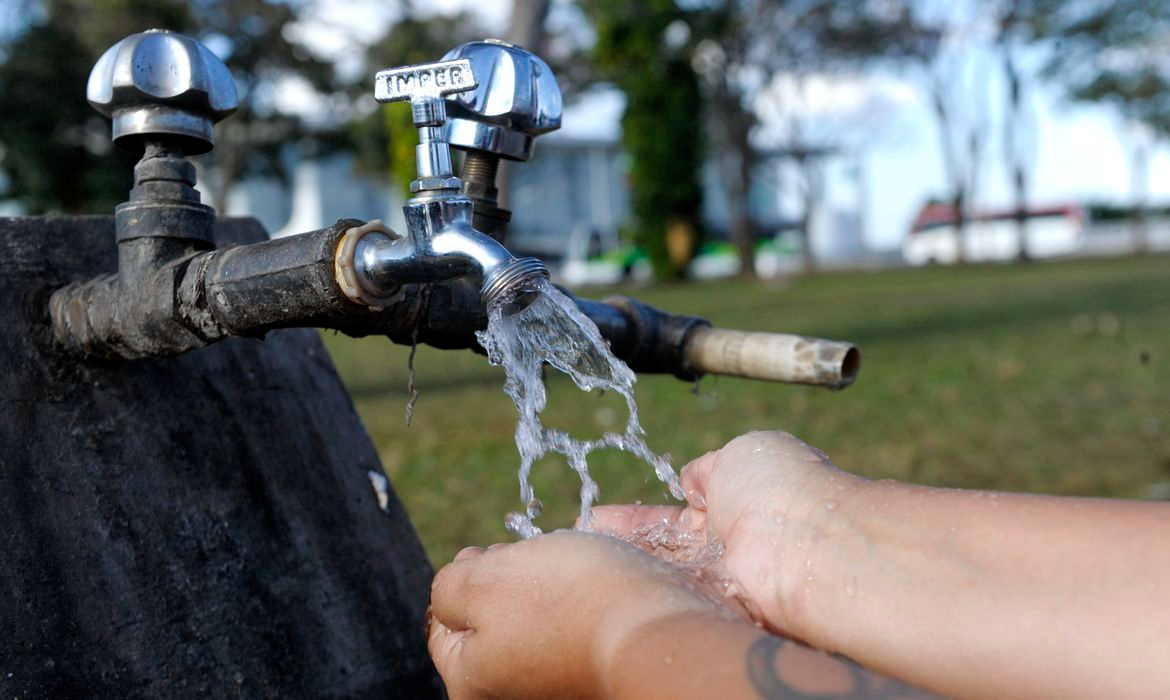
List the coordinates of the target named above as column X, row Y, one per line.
column 192, row 526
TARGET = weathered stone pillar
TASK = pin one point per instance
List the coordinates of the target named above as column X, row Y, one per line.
column 196, row 526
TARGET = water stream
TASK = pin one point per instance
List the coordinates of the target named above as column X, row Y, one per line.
column 551, row 329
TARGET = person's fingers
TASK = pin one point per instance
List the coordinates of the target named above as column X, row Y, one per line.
column 447, row 649
column 694, row 478
column 451, row 599
column 444, row 646
column 621, row 520
column 497, row 545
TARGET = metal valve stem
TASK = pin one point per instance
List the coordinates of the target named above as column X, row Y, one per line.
column 424, row 86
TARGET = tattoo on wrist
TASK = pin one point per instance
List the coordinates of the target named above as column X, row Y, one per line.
column 769, row 681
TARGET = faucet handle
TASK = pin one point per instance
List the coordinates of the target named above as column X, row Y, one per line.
column 424, row 85
column 423, row 82
column 159, row 83
column 518, row 100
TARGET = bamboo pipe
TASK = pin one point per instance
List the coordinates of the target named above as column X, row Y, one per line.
column 776, row 357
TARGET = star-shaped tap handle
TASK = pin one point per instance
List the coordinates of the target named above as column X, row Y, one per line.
column 424, row 85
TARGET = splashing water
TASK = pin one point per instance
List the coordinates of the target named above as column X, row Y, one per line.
column 696, row 552
column 551, row 329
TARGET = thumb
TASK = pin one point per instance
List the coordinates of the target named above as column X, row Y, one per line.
column 446, row 648
column 695, row 477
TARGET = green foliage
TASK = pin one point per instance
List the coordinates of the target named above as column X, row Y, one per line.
column 662, row 125
column 402, row 137
column 1109, row 51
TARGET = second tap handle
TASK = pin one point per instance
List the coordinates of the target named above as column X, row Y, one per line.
column 424, row 86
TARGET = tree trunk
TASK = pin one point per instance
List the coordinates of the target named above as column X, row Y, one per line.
column 1014, row 146
column 1018, row 160
column 526, row 24
column 526, row 29
column 951, row 166
column 740, row 228
column 1140, row 163
column 812, row 201
column 1020, row 185
column 959, row 202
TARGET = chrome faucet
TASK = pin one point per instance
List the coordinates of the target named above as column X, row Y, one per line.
column 441, row 244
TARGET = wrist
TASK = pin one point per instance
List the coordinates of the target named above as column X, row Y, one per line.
column 652, row 660
column 812, row 560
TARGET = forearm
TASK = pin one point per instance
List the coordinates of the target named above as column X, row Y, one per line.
column 993, row 595
column 708, row 656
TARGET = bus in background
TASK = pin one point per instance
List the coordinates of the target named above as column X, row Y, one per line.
column 993, row 236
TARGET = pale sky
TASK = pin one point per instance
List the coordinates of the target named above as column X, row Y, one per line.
column 1081, row 155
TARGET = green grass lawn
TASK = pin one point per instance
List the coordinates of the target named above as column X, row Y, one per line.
column 1050, row 377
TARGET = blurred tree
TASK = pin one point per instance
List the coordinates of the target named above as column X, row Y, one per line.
column 959, row 87
column 937, row 39
column 1019, row 25
column 1014, row 20
column 724, row 61
column 254, row 39
column 1115, row 52
column 385, row 138
column 526, row 29
column 645, row 50
column 746, row 45
column 56, row 150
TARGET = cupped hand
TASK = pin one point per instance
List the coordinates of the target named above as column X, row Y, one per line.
column 763, row 495
column 545, row 617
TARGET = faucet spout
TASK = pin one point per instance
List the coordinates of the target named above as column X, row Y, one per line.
column 441, row 245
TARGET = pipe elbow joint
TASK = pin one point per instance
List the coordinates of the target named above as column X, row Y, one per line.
column 383, row 261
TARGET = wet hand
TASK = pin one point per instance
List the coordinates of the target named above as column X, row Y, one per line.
column 544, row 617
column 763, row 495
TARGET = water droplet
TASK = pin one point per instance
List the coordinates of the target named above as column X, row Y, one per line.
column 830, row 505
column 851, row 589
column 520, row 525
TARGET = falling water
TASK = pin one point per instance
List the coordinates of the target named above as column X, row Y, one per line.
column 551, row 329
